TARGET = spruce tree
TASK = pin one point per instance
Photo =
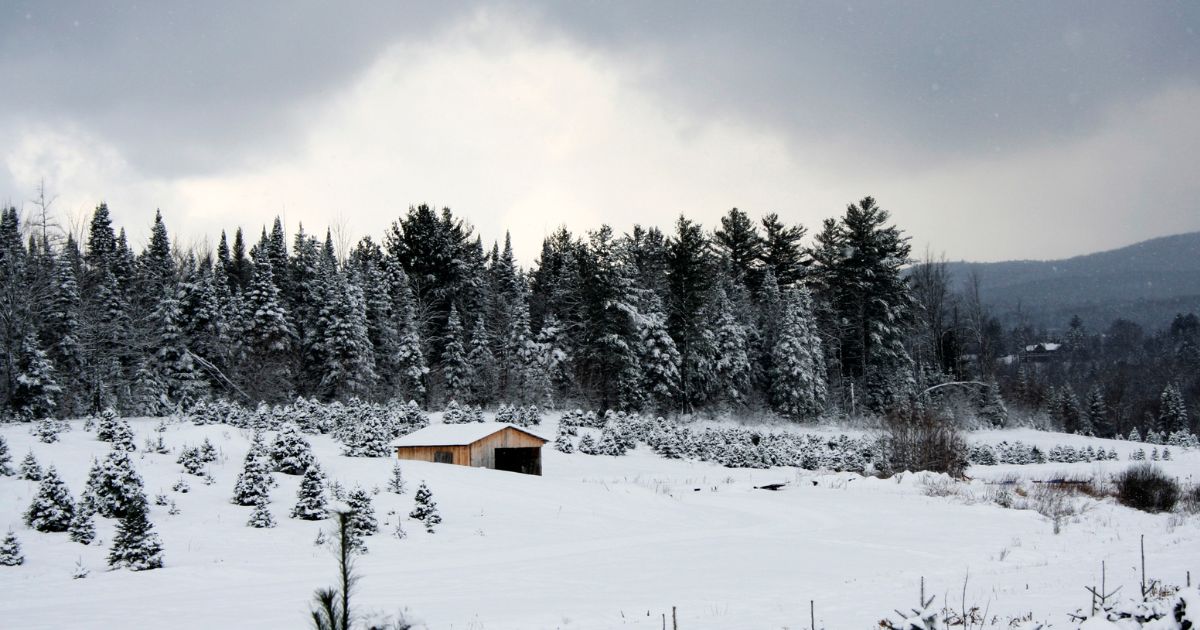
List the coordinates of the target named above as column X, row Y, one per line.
column 36, row 388
column 425, row 509
column 454, row 358
column 136, row 546
column 10, row 551
column 255, row 481
column 362, row 514
column 1172, row 411
column 261, row 516
column 396, row 482
column 659, row 356
column 30, row 469
column 291, row 454
column 1097, row 412
column 689, row 277
column 52, row 506
column 310, row 504
column 346, row 350
column 991, row 406
column 798, row 368
column 82, row 528
column 732, row 368
column 6, row 469
column 481, row 367
column 410, row 360
column 267, row 335
column 113, row 486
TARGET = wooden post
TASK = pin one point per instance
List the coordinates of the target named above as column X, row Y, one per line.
column 674, row 621
column 812, row 616
column 1143, row 566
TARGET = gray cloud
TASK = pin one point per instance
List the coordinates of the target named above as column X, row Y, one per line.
column 866, row 97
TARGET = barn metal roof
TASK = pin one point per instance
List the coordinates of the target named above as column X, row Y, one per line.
column 456, row 434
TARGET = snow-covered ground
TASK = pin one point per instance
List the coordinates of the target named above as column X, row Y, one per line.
column 597, row 542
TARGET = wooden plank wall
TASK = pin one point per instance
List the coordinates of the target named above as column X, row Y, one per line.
column 462, row 454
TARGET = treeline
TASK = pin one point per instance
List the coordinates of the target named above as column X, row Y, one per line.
column 746, row 316
column 1120, row 381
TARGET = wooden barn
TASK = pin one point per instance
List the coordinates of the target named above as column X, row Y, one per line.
column 482, row 444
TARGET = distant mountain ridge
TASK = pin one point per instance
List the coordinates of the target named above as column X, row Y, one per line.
column 1147, row 282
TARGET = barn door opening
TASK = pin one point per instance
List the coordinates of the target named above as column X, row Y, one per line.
column 520, row 460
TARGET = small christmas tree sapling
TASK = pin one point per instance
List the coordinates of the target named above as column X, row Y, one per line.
column 398, row 531
column 135, row 544
column 82, row 528
column 30, row 469
column 80, row 571
column 261, row 516
column 362, row 513
column 10, row 551
column 310, row 504
column 425, row 509
column 396, row 483
column 52, row 506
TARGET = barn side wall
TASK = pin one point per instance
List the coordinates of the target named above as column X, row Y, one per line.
column 462, row 454
column 483, row 452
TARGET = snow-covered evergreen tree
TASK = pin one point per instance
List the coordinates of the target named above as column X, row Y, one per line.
column 113, row 486
column 267, row 334
column 82, row 528
column 30, row 469
column 410, row 360
column 425, row 508
column 255, row 481
column 658, row 354
column 481, row 367
column 310, row 504
column 261, row 516
column 454, row 359
column 291, row 454
column 732, row 368
column 1172, row 411
column 136, row 546
column 362, row 513
column 36, row 388
column 1097, row 413
column 6, row 469
column 396, row 482
column 992, row 407
column 562, row 441
column 52, row 507
column 798, row 387
column 10, row 551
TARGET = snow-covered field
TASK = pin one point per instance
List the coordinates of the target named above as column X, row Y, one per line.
column 597, row 542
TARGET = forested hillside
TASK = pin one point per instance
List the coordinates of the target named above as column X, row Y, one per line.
column 1148, row 283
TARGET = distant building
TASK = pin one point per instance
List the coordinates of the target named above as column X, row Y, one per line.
column 481, row 444
column 1043, row 352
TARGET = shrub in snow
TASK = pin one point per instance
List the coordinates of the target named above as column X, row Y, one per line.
column 173, row 510
column 161, row 499
column 52, row 508
column 1145, row 487
column 1154, row 454
column 30, row 469
column 181, row 486
column 6, row 469
column 1166, row 454
column 82, row 528
column 1139, row 455
column 136, row 545
column 290, row 452
column 104, row 426
column 505, row 414
column 425, row 509
column 310, row 503
column 80, row 571
column 1134, row 435
column 10, row 551
column 587, row 445
column 477, row 414
column 396, row 483
column 261, row 516
column 917, row 439
column 398, row 531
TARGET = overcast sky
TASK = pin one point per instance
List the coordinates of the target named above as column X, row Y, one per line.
column 990, row 130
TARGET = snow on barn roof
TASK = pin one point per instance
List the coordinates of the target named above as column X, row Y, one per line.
column 456, row 434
